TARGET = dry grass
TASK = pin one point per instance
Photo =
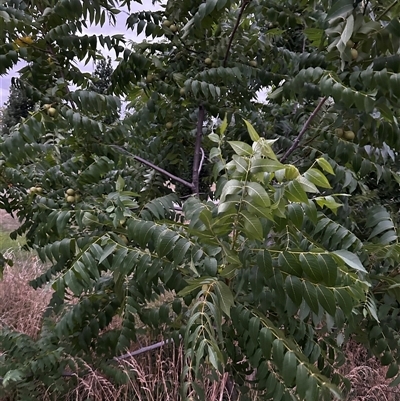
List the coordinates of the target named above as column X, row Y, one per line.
column 367, row 376
column 22, row 307
column 154, row 375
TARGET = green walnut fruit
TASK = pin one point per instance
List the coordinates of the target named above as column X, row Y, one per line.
column 350, row 43
column 182, row 91
column 349, row 135
column 32, row 190
column 173, row 28
column 339, row 132
column 124, row 239
column 46, row 106
column 168, row 125
column 167, row 23
column 39, row 190
column 70, row 199
column 51, row 111
column 208, row 61
column 253, row 63
column 354, row 54
column 70, row 192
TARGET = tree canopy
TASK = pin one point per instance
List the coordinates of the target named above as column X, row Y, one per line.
column 290, row 108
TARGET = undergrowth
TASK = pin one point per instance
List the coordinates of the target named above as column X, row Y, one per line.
column 154, row 375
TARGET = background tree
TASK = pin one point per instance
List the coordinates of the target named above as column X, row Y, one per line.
column 101, row 82
column 291, row 262
column 17, row 107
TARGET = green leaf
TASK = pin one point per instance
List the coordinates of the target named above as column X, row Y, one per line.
column 252, row 226
column 265, row 340
column 301, row 380
column 316, row 177
column 324, row 164
column 289, row 263
column 310, row 296
column 341, row 8
column 294, row 289
column 350, row 259
column 296, row 214
column 252, row 132
column 289, row 368
column 326, row 298
column 241, row 148
column 295, row 192
column 344, row 300
column 258, row 194
column 225, row 297
column 223, row 126
column 264, row 262
column 310, row 265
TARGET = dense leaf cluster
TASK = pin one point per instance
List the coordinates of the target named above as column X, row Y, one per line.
column 294, row 108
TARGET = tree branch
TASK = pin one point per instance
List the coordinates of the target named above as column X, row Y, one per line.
column 153, row 166
column 245, row 3
column 197, row 151
column 296, row 142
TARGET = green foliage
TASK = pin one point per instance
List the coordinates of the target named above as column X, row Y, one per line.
column 17, row 108
column 298, row 250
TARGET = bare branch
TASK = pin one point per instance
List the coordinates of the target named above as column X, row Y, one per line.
column 296, row 142
column 197, row 151
column 245, row 3
column 153, row 166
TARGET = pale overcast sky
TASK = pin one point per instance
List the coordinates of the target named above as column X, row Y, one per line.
column 120, row 28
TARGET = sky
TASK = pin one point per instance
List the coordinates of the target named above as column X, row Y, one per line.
column 119, row 28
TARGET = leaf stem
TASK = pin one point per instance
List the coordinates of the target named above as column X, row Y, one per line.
column 296, row 142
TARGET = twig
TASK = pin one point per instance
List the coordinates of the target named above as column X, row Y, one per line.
column 144, row 349
column 303, row 130
column 198, row 151
column 153, row 166
column 202, row 160
column 384, row 12
column 245, row 3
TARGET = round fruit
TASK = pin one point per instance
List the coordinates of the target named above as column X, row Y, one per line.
column 39, row 190
column 349, row 135
column 51, row 111
column 168, row 125
column 167, row 23
column 70, row 199
column 122, row 222
column 354, row 54
column 253, row 63
column 213, row 65
column 124, row 239
column 46, row 106
column 339, row 132
column 208, row 61
column 70, row 192
column 350, row 43
column 173, row 28
column 32, row 190
column 182, row 92
column 150, row 78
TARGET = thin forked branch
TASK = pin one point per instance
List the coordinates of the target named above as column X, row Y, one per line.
column 245, row 3
column 296, row 142
column 153, row 166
